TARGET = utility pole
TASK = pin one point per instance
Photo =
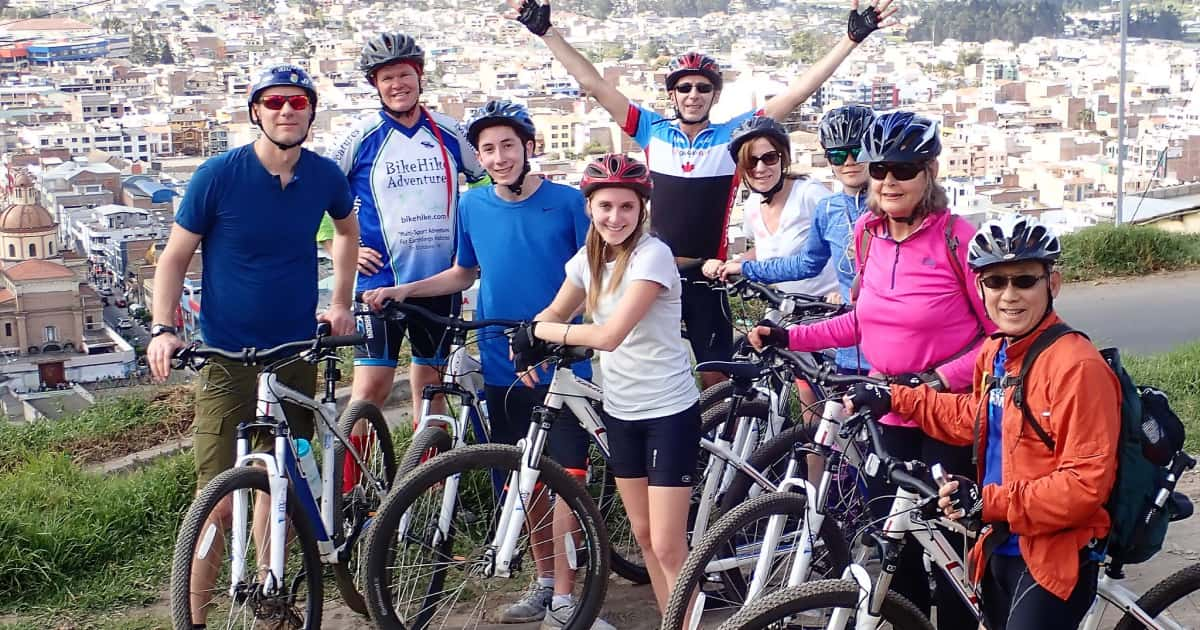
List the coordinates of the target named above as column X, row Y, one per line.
column 1121, row 119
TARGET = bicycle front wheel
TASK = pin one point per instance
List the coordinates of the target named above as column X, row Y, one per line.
column 722, row 562
column 815, row 604
column 355, row 498
column 207, row 585
column 1173, row 602
column 439, row 571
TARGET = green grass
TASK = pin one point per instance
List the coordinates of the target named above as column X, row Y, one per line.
column 1178, row 374
column 109, row 418
column 1105, row 250
column 79, row 541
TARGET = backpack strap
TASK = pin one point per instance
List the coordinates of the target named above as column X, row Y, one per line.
column 956, row 264
column 1040, row 344
column 860, row 254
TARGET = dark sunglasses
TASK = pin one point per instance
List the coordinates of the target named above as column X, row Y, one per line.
column 770, row 158
column 838, row 157
column 998, row 282
column 902, row 171
column 703, row 88
column 275, row 101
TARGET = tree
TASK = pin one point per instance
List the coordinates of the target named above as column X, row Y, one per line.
column 809, row 46
column 203, row 28
column 167, row 59
column 969, row 57
column 651, row 49
column 301, row 43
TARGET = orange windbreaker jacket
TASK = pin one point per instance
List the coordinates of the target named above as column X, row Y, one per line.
column 1053, row 500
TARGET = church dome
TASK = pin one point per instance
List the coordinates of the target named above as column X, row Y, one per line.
column 24, row 214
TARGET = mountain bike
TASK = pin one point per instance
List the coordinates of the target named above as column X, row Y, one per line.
column 271, row 572
column 858, row 602
column 467, row 421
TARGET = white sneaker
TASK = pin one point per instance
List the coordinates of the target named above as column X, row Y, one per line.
column 531, row 607
column 558, row 618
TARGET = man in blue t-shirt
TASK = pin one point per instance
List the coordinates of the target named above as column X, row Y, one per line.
column 517, row 236
column 688, row 156
column 254, row 210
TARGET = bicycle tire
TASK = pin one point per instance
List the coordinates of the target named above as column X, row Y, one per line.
column 476, row 462
column 715, row 393
column 193, row 531
column 775, row 607
column 1163, row 595
column 356, row 509
column 717, row 543
column 425, row 445
column 765, row 459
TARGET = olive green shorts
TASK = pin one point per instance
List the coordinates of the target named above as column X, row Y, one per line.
column 226, row 396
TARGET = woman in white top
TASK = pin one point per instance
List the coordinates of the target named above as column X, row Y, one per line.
column 779, row 212
column 627, row 281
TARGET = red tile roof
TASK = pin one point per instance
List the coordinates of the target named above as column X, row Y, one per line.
column 37, row 270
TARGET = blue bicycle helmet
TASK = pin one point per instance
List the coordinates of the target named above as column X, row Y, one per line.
column 901, row 137
column 844, row 127
column 501, row 112
column 283, row 75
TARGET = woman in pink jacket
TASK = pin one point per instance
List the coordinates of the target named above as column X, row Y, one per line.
column 917, row 316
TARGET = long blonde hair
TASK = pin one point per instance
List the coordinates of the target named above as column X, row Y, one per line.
column 597, row 257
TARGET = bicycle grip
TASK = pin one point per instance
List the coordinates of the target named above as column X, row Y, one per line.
column 339, row 341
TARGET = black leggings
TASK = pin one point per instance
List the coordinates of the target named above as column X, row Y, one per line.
column 1011, row 599
column 911, row 580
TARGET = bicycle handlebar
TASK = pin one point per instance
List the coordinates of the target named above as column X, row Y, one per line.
column 821, row 374
column 398, row 310
column 248, row 356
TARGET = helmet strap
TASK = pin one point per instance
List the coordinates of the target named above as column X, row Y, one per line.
column 515, row 187
column 282, row 146
column 769, row 194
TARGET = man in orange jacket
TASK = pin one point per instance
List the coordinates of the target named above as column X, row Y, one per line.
column 1042, row 509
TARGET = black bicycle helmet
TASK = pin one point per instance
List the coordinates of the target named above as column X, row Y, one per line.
column 901, row 137
column 693, row 63
column 501, row 112
column 844, row 127
column 1012, row 239
column 754, row 127
column 386, row 48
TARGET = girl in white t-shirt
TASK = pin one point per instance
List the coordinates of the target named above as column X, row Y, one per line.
column 627, row 281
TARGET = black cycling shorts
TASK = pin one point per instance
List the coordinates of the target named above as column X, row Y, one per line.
column 707, row 319
column 428, row 341
column 509, row 411
column 663, row 450
column 1012, row 600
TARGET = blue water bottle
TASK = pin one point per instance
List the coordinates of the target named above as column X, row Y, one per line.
column 308, row 467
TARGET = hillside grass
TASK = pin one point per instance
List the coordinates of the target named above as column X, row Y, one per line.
column 1127, row 250
column 1178, row 374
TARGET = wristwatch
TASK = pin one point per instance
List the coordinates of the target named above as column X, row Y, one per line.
column 159, row 329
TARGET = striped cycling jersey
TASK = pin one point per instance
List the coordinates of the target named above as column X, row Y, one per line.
column 693, row 181
column 405, row 186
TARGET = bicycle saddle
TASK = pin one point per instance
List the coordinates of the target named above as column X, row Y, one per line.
column 736, row 370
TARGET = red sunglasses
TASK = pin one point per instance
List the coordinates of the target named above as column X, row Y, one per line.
column 275, row 102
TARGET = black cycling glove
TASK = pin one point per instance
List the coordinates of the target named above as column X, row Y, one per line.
column 968, row 498
column 536, row 17
column 527, row 349
column 862, row 23
column 913, row 379
column 778, row 337
column 874, row 398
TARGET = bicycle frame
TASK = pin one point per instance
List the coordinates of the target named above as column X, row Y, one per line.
column 282, row 466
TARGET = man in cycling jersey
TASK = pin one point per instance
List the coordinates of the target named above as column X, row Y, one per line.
column 254, row 209
column 690, row 165
column 1043, row 507
column 546, row 224
column 403, row 164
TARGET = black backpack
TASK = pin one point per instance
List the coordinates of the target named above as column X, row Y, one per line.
column 1149, row 457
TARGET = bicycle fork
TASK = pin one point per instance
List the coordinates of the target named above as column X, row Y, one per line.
column 516, row 503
